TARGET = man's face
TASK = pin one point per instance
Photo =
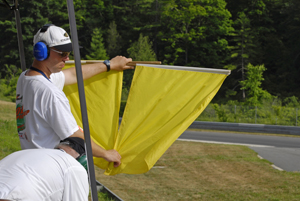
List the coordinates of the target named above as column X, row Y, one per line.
column 57, row 60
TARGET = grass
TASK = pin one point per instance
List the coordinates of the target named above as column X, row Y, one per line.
column 187, row 171
column 9, row 139
column 7, row 110
column 198, row 171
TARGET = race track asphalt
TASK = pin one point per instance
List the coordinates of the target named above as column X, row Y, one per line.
column 282, row 151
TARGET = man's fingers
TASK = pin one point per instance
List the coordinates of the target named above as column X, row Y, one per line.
column 128, row 67
column 117, row 164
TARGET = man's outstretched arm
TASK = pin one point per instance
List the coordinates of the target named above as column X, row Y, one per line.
column 118, row 63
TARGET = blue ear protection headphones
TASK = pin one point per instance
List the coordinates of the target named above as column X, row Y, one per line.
column 41, row 49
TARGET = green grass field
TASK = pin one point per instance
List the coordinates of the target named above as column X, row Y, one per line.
column 9, row 140
column 187, row 171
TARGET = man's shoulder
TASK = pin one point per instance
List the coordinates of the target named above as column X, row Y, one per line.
column 57, row 75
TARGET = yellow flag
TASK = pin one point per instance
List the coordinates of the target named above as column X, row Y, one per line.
column 161, row 105
column 103, row 98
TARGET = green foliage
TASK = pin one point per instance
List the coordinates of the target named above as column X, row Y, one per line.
column 137, row 17
column 291, row 102
column 277, row 46
column 97, row 50
column 9, row 139
column 124, row 95
column 122, row 108
column 195, row 32
column 113, row 40
column 9, row 83
column 243, row 39
column 104, row 197
column 243, row 49
column 252, row 83
column 221, row 113
column 270, row 111
column 182, row 32
column 141, row 50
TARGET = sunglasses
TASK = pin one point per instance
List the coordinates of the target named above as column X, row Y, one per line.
column 62, row 54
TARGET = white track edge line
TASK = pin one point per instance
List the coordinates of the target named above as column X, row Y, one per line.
column 228, row 143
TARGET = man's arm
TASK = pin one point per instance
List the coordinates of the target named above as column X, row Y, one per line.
column 89, row 70
column 109, row 155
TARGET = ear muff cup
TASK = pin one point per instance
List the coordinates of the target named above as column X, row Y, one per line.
column 40, row 51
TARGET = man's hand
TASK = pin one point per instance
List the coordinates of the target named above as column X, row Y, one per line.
column 113, row 156
column 119, row 63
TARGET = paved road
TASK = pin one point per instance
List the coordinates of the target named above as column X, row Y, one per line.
column 283, row 152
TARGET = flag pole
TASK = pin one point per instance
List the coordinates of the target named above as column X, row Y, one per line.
column 91, row 169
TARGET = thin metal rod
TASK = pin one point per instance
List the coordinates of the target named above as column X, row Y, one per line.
column 91, row 169
column 15, row 8
column 20, row 38
column 6, row 4
column 186, row 68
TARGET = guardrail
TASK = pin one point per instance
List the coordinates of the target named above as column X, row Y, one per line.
column 110, row 194
column 244, row 127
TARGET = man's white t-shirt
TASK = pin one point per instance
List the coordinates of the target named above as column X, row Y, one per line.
column 43, row 111
column 43, row 175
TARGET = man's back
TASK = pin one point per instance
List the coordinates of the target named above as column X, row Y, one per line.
column 42, row 174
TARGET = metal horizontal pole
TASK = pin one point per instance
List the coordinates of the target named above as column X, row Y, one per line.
column 187, row 68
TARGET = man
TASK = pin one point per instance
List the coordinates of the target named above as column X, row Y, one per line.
column 43, row 111
column 45, row 174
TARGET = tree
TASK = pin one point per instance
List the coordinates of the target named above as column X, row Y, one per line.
column 136, row 17
column 195, row 32
column 182, row 32
column 140, row 50
column 244, row 47
column 113, row 40
column 97, row 50
column 252, row 83
column 283, row 53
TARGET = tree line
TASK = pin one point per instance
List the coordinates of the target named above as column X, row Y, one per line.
column 257, row 39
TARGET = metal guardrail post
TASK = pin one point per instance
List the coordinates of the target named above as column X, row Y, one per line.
column 103, row 189
column 296, row 116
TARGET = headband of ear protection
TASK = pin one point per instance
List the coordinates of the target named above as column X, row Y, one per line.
column 41, row 49
column 77, row 144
